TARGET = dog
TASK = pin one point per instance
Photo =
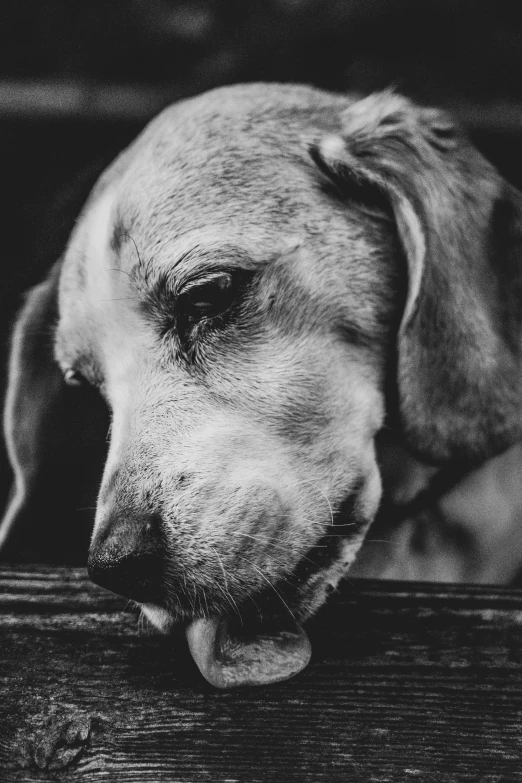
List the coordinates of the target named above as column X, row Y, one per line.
column 288, row 299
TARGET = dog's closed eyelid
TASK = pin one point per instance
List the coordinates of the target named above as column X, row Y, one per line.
column 201, row 298
column 203, row 303
column 208, row 303
column 221, row 276
column 206, row 284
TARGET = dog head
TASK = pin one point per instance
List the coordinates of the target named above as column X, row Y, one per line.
column 251, row 286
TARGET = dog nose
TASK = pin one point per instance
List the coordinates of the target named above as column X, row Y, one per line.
column 127, row 557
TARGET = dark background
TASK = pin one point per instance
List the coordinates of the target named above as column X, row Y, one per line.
column 79, row 80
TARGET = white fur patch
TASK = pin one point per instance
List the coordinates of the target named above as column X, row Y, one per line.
column 158, row 617
column 333, row 147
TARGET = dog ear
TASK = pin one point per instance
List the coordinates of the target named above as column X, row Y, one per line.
column 459, row 365
column 55, row 438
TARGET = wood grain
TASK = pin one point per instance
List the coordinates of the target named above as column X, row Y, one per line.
column 420, row 683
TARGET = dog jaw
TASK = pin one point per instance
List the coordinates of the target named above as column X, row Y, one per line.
column 271, row 644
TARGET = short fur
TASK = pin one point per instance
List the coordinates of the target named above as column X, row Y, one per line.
column 379, row 259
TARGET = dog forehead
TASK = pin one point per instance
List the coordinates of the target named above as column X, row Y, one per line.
column 235, row 157
column 228, row 167
column 240, row 120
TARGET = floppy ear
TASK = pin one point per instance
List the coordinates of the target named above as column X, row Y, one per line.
column 55, row 438
column 459, row 362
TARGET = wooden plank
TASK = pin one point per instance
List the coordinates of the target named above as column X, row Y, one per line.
column 406, row 683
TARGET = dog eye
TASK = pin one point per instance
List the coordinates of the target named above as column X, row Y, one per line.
column 207, row 298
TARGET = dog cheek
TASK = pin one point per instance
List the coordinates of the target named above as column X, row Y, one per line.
column 244, row 513
column 320, row 585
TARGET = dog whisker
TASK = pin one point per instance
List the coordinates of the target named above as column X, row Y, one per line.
column 269, row 543
column 337, row 535
column 126, row 234
column 288, row 579
column 230, row 599
column 267, row 580
column 121, row 271
column 250, row 599
column 225, row 591
column 206, row 603
column 221, row 565
column 319, row 489
column 194, row 602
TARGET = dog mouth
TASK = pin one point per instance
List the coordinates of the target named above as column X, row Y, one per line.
column 260, row 643
column 263, row 642
column 239, row 632
column 250, row 638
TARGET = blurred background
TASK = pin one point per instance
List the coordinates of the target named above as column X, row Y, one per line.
column 79, row 80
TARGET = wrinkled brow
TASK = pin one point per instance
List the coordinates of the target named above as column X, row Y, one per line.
column 152, row 277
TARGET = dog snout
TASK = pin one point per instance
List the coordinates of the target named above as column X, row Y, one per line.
column 127, row 557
